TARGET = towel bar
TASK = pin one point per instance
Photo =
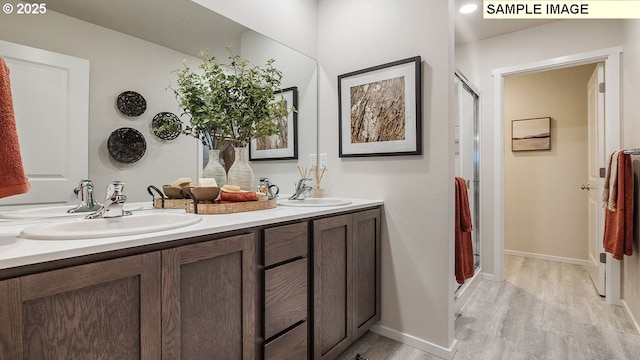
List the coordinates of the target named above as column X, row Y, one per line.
column 635, row 151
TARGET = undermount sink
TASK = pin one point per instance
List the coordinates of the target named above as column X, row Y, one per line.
column 53, row 212
column 315, row 202
column 109, row 227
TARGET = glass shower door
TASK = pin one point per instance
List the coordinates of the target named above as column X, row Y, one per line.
column 467, row 156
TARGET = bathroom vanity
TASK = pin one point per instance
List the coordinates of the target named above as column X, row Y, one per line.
column 283, row 283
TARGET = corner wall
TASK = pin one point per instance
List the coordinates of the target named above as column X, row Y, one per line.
column 291, row 22
column 417, row 242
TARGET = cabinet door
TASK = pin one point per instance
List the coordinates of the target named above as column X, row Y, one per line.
column 208, row 300
column 366, row 270
column 332, row 262
column 104, row 310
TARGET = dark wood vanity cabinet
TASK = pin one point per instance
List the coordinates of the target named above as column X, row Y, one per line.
column 191, row 302
column 301, row 290
column 286, row 293
column 346, row 280
column 103, row 310
column 208, row 300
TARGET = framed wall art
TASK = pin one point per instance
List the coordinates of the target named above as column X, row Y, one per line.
column 380, row 112
column 531, row 134
column 283, row 145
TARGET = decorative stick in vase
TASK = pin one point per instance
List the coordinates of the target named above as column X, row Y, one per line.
column 319, row 192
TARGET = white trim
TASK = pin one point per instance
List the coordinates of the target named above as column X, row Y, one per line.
column 611, row 58
column 630, row 313
column 437, row 350
column 490, row 277
column 548, row 257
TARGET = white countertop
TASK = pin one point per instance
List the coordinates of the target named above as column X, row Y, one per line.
column 16, row 251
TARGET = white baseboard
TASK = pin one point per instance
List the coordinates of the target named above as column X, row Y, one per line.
column 489, row 277
column 633, row 318
column 547, row 257
column 437, row 350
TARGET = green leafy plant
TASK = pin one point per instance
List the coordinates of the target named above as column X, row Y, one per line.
column 232, row 102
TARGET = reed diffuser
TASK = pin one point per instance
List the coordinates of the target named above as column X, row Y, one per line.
column 319, row 192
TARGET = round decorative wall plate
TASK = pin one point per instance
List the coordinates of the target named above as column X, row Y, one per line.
column 166, row 118
column 126, row 145
column 131, row 103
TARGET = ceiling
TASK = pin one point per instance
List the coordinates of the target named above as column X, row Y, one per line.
column 472, row 27
column 181, row 25
column 185, row 26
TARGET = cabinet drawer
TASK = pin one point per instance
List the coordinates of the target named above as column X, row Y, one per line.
column 285, row 296
column 285, row 242
column 291, row 345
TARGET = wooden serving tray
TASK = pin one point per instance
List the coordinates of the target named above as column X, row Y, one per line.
column 166, row 203
column 211, row 208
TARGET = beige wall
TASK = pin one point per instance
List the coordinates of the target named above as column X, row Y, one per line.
column 545, row 209
column 631, row 139
column 477, row 60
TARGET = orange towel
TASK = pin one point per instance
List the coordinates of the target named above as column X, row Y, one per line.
column 618, row 224
column 13, row 180
column 464, row 265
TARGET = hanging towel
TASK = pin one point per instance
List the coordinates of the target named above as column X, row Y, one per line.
column 610, row 190
column 618, row 224
column 464, row 264
column 13, row 180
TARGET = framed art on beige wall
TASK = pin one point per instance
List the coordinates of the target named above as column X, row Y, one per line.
column 531, row 134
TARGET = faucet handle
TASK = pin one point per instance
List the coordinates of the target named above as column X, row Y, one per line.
column 115, row 189
column 86, row 183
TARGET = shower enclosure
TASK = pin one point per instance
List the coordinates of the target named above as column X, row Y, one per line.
column 467, row 156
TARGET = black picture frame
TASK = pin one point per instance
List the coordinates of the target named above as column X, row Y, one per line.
column 274, row 147
column 391, row 122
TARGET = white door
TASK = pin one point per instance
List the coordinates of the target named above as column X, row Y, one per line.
column 595, row 182
column 51, row 101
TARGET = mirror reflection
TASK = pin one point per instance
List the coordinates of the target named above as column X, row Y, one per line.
column 135, row 46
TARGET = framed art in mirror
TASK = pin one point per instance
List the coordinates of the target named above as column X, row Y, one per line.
column 283, row 145
column 380, row 111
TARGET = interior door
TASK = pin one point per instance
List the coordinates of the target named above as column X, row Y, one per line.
column 51, row 101
column 595, row 182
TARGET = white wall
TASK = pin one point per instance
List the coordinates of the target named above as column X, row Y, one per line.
column 631, row 139
column 292, row 22
column 417, row 250
column 300, row 71
column 535, row 220
column 118, row 63
column 477, row 60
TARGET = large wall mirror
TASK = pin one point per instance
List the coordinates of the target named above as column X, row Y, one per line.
column 135, row 46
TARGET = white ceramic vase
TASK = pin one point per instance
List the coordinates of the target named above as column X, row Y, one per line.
column 240, row 172
column 215, row 169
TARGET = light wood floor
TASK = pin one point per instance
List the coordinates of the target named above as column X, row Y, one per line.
column 543, row 310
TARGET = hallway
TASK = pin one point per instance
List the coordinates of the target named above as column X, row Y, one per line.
column 544, row 310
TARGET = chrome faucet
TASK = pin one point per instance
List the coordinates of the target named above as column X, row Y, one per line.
column 113, row 203
column 84, row 190
column 301, row 189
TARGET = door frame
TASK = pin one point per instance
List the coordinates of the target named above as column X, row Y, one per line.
column 611, row 59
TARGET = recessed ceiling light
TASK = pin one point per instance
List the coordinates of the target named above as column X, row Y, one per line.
column 468, row 8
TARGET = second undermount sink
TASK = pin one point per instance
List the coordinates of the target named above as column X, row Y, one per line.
column 109, row 227
column 310, row 202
